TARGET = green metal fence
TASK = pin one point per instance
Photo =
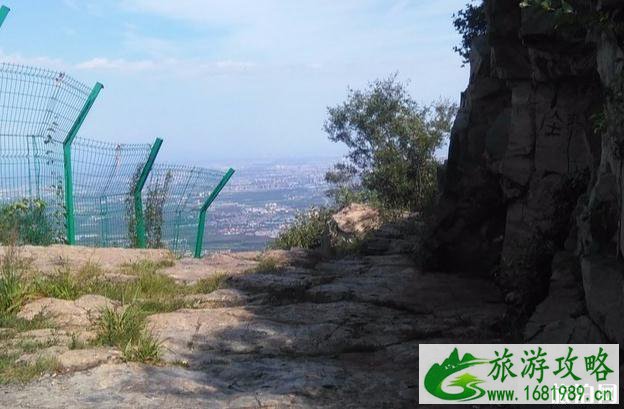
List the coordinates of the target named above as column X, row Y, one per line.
column 59, row 187
column 4, row 11
column 104, row 176
column 37, row 110
column 178, row 221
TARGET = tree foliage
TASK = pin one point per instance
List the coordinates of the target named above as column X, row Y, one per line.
column 391, row 141
column 549, row 5
column 27, row 221
column 307, row 230
column 470, row 23
column 154, row 205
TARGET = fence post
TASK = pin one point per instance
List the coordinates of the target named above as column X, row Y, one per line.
column 199, row 241
column 4, row 11
column 69, row 139
column 138, row 190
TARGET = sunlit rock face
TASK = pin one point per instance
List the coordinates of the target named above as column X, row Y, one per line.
column 535, row 164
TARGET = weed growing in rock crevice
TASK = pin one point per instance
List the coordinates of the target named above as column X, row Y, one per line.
column 126, row 329
column 10, row 372
column 13, row 288
column 209, row 284
column 141, row 287
column 62, row 285
column 144, row 285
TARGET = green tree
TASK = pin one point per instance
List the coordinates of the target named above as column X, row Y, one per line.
column 470, row 23
column 391, row 140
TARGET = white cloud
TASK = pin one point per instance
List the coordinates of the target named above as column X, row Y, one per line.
column 166, row 67
column 238, row 12
column 170, row 67
column 40, row 61
column 241, row 36
column 307, row 31
column 102, row 63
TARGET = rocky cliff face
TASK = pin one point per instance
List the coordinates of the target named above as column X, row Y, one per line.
column 535, row 163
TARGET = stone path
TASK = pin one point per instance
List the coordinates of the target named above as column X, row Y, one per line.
column 342, row 334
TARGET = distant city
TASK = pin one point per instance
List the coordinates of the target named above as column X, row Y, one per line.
column 261, row 199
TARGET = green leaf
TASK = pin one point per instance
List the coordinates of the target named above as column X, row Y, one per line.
column 566, row 7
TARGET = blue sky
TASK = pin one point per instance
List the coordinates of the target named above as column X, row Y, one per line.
column 223, row 80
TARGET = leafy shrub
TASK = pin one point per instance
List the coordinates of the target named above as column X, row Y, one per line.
column 470, row 23
column 345, row 195
column 27, row 221
column 307, row 231
column 153, row 213
column 392, row 141
column 154, row 210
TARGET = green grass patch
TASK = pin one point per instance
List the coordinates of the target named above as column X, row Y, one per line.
column 147, row 266
column 145, row 348
column 29, row 346
column 62, row 285
column 27, row 221
column 90, row 270
column 209, row 284
column 156, row 291
column 147, row 286
column 150, row 292
column 13, row 287
column 12, row 372
column 117, row 328
column 163, row 305
column 13, row 291
column 266, row 265
column 40, row 321
column 126, row 331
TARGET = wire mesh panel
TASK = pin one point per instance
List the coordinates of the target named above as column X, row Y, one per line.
column 37, row 109
column 105, row 175
column 172, row 199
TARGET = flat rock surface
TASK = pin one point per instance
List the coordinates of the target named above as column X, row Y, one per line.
column 341, row 334
column 192, row 269
column 52, row 258
column 79, row 313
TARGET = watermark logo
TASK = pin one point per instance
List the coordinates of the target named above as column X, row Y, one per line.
column 518, row 374
column 468, row 383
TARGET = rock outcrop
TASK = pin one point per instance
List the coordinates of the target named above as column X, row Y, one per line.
column 357, row 219
column 299, row 333
column 535, row 162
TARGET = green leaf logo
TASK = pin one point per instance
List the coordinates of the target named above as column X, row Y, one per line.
column 438, row 373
